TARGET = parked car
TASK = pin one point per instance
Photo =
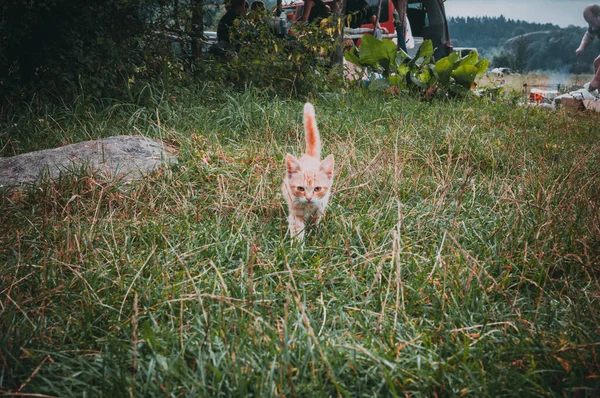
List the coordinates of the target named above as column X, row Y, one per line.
column 500, row 72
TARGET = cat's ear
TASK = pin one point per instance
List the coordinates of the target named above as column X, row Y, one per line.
column 326, row 166
column 292, row 165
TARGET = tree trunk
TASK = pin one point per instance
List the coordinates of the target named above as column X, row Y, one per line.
column 197, row 33
column 338, row 34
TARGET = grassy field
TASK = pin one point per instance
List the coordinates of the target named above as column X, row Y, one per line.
column 521, row 83
column 459, row 256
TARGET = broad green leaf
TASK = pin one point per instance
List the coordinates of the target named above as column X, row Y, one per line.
column 351, row 56
column 431, row 68
column 375, row 52
column 444, row 67
column 425, row 50
column 398, row 80
column 425, row 76
column 465, row 75
column 368, row 51
column 403, row 69
column 415, row 79
column 482, row 66
column 371, row 50
column 390, row 50
column 470, row 59
column 454, row 57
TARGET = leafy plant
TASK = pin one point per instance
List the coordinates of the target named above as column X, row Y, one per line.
column 452, row 74
column 261, row 57
column 66, row 49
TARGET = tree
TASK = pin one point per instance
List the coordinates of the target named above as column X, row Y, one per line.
column 63, row 45
column 338, row 34
column 521, row 54
column 197, row 33
column 503, row 59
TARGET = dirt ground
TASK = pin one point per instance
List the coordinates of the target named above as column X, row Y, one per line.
column 524, row 82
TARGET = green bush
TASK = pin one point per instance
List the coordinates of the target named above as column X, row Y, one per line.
column 286, row 64
column 63, row 49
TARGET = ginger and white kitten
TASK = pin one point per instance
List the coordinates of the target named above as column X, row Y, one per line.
column 307, row 183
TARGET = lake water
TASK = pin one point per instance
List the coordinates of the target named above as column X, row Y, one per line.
column 559, row 12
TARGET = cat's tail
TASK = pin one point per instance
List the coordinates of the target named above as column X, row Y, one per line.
column 313, row 140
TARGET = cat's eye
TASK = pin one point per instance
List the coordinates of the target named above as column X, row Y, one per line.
column 301, row 189
column 317, row 189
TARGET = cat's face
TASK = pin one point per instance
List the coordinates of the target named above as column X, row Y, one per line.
column 310, row 180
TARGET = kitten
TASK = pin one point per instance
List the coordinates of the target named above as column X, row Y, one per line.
column 307, row 183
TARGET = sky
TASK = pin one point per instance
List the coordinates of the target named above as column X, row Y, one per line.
column 559, row 12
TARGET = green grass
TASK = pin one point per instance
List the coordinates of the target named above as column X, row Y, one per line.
column 459, row 256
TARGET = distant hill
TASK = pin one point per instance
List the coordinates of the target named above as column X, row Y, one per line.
column 523, row 45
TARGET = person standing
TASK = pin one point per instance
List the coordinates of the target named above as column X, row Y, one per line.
column 236, row 9
column 591, row 14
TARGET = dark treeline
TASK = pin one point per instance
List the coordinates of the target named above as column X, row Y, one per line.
column 91, row 47
column 523, row 45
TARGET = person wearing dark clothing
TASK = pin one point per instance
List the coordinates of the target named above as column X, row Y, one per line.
column 236, row 9
column 258, row 6
column 314, row 10
column 359, row 12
